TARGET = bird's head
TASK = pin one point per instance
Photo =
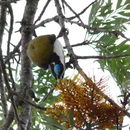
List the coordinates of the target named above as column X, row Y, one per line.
column 58, row 70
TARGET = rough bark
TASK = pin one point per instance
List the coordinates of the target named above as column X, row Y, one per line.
column 24, row 119
column 2, row 26
column 26, row 73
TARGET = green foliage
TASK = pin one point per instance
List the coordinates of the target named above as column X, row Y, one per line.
column 53, row 124
column 43, row 83
column 41, row 121
column 107, row 16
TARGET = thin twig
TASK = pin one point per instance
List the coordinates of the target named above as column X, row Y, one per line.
column 8, row 2
column 46, row 96
column 73, row 11
column 72, row 17
column 9, row 41
column 42, row 12
column 102, row 57
column 80, row 44
column 8, row 86
column 11, row 26
column 50, row 92
column 55, row 18
column 12, row 53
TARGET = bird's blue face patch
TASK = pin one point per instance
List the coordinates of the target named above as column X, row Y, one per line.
column 57, row 69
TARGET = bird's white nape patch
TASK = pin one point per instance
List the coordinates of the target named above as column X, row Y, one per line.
column 58, row 49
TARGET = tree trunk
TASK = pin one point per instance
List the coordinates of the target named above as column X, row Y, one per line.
column 26, row 73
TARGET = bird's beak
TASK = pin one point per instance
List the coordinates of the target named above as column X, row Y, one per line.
column 57, row 78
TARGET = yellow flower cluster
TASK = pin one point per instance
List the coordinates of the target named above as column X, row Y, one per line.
column 89, row 108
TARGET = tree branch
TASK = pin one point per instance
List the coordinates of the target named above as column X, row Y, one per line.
column 73, row 11
column 42, row 12
column 28, row 102
column 55, row 18
column 11, row 27
column 80, row 44
column 9, row 119
column 62, row 24
column 115, row 32
column 102, row 57
column 72, row 17
column 12, row 53
column 75, row 62
column 9, row 41
column 8, row 2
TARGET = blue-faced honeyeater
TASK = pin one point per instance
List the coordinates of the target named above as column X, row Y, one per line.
column 47, row 52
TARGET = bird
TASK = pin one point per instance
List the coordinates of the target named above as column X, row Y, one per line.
column 47, row 52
